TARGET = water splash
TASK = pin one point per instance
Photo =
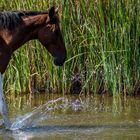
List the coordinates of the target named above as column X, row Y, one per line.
column 43, row 112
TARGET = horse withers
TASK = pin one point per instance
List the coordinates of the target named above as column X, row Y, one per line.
column 17, row 28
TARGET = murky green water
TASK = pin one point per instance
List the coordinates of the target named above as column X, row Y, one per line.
column 73, row 118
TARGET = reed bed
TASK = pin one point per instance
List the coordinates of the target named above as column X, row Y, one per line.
column 102, row 40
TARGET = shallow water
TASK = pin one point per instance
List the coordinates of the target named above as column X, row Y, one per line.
column 72, row 118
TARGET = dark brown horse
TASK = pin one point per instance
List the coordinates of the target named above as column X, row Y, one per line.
column 16, row 28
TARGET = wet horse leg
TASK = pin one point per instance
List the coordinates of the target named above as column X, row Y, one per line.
column 3, row 106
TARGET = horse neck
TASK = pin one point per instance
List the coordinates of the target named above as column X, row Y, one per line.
column 28, row 30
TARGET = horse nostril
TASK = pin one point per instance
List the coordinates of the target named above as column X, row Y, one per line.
column 59, row 61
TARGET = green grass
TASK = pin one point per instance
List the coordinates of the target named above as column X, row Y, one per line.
column 102, row 40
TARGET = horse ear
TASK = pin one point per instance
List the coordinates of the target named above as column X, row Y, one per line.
column 52, row 12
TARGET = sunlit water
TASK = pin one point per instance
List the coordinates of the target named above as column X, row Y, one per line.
column 72, row 118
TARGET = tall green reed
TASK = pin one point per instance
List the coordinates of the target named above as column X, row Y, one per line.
column 102, row 41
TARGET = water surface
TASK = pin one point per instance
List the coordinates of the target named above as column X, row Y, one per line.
column 73, row 118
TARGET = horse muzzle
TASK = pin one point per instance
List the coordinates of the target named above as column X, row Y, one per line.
column 59, row 61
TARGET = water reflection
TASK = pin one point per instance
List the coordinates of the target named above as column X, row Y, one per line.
column 73, row 117
column 94, row 131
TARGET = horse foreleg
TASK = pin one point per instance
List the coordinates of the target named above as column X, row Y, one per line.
column 3, row 106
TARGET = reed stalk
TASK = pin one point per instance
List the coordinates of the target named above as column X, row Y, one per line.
column 102, row 41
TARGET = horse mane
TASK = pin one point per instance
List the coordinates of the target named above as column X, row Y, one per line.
column 10, row 20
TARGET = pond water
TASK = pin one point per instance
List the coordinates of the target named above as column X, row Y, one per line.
column 54, row 117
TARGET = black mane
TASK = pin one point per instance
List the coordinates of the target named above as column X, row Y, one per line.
column 10, row 20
